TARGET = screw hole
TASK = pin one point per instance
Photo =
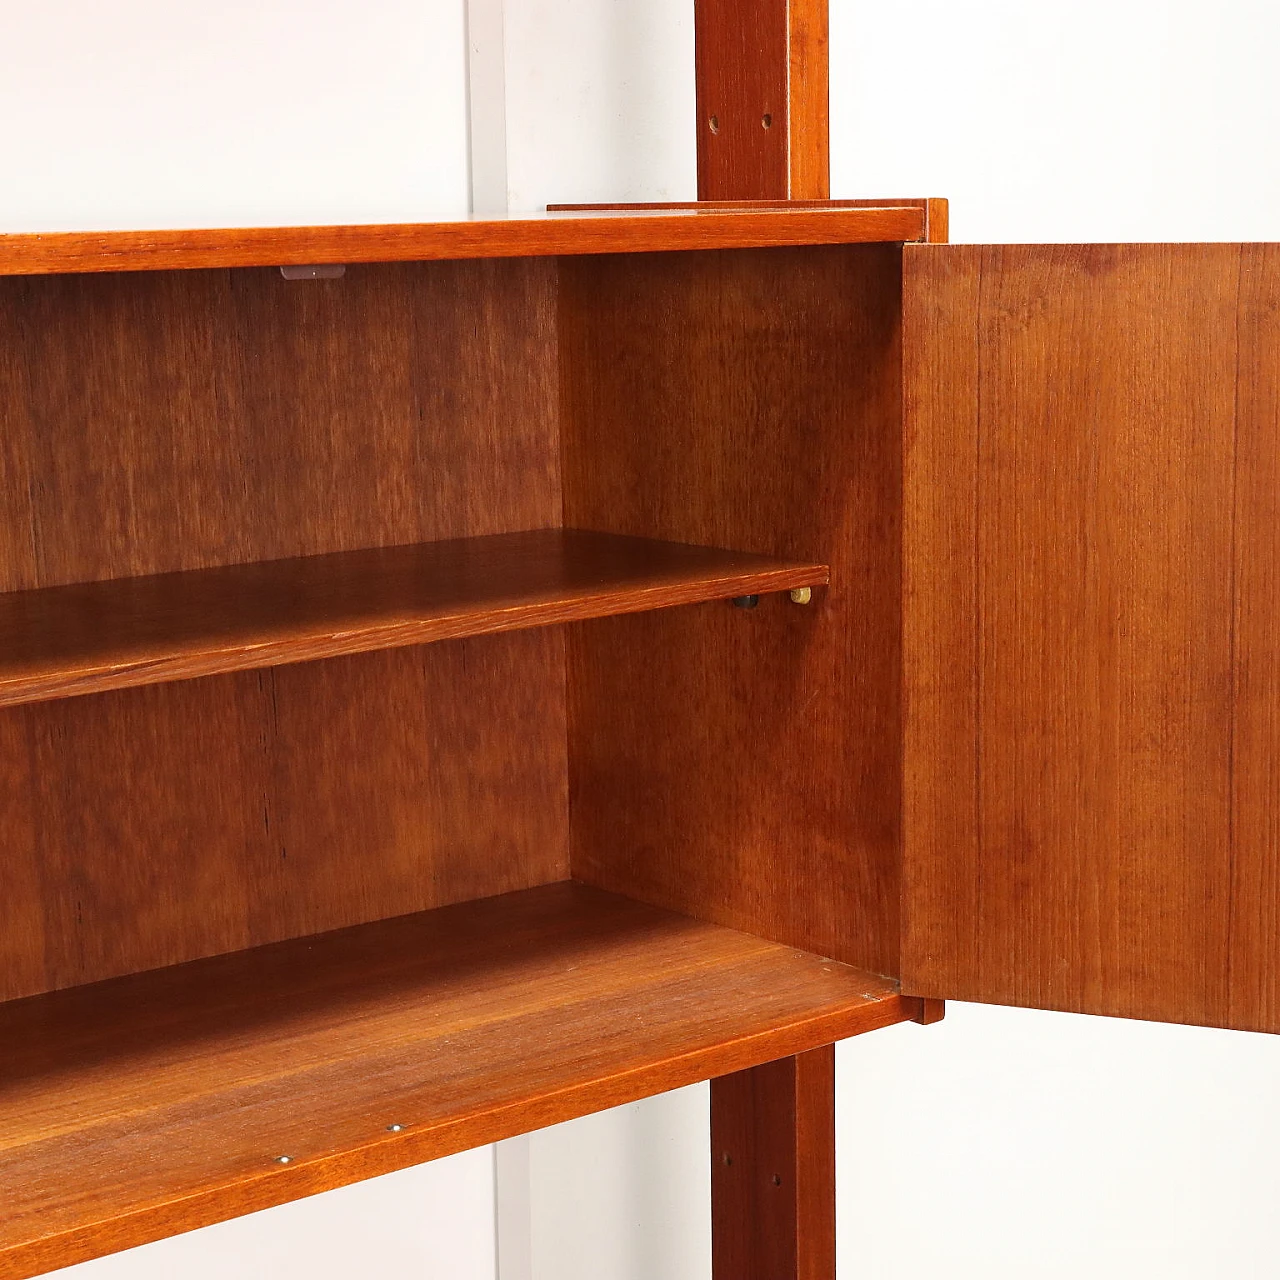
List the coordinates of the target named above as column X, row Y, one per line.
column 728, row 1159
column 714, row 122
column 777, row 1179
column 766, row 120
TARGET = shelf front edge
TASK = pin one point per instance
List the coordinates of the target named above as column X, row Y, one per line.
column 624, row 231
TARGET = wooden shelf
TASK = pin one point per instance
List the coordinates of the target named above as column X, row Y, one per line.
column 625, row 230
column 152, row 1104
column 59, row 642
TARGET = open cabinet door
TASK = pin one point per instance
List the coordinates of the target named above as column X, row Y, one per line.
column 1092, row 629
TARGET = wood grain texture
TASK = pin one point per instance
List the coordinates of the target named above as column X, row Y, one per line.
column 808, row 100
column 711, row 206
column 151, row 826
column 175, row 421
column 525, row 236
column 726, row 762
column 938, row 220
column 929, row 1011
column 147, row 1106
column 1090, row 629
column 773, row 1170
column 179, row 421
column 1254, row 957
column 63, row 641
column 761, row 69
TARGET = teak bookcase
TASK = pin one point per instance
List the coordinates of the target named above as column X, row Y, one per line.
column 564, row 658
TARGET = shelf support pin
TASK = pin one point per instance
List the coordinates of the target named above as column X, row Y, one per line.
column 801, row 595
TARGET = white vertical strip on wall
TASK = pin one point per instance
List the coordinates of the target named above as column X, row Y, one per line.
column 513, row 1208
column 487, row 106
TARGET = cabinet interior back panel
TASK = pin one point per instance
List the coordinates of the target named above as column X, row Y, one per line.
column 178, row 420
column 1092, row 629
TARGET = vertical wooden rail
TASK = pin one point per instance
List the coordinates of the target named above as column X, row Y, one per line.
column 762, row 93
column 762, row 99
column 773, row 1170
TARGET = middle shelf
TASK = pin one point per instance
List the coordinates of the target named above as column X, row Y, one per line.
column 57, row 642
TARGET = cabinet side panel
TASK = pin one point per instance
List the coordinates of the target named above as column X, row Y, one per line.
column 1255, row 885
column 940, row 638
column 1089, row 541
column 743, row 765
column 178, row 420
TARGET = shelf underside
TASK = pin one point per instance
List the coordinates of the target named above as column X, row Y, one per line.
column 605, row 230
column 148, row 1105
column 62, row 641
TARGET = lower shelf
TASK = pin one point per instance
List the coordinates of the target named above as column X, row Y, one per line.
column 145, row 1106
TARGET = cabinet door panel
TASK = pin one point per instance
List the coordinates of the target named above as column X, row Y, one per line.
column 1092, row 629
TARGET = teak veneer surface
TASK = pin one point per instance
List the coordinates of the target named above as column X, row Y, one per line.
column 773, row 1170
column 1093, row 629
column 743, row 765
column 166, row 421
column 157, row 1103
column 86, row 638
column 146, row 827
column 762, row 75
column 711, row 206
column 935, row 209
column 527, row 235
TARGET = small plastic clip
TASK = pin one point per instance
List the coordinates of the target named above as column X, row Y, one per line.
column 322, row 271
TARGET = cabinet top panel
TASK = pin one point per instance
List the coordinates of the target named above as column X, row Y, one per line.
column 635, row 229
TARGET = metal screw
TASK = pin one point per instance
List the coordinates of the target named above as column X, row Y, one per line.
column 284, row 1159
column 394, row 1128
column 801, row 595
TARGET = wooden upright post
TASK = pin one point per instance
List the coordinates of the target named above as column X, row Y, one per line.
column 773, row 1170
column 762, row 99
column 762, row 84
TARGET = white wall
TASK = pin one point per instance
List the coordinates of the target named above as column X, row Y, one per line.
column 622, row 1194
column 434, row 1222
column 600, row 101
column 169, row 113
column 1012, row 1145
column 1000, row 1144
column 1086, row 120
